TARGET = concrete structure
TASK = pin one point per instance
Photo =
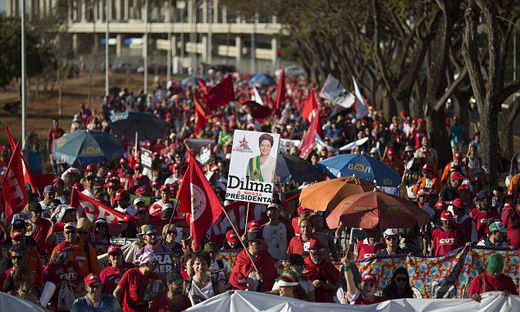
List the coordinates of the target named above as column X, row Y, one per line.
column 202, row 31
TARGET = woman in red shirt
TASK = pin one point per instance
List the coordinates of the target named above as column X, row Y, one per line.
column 368, row 285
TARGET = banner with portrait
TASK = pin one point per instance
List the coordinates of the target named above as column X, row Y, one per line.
column 253, row 165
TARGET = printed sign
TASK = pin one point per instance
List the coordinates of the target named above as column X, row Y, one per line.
column 252, row 167
column 146, row 158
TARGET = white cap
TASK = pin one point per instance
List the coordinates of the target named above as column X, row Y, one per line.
column 138, row 200
column 285, row 284
column 390, row 232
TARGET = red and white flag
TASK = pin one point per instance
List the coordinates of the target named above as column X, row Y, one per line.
column 14, row 197
column 26, row 173
column 280, row 94
column 197, row 199
column 309, row 139
column 310, row 106
column 92, row 209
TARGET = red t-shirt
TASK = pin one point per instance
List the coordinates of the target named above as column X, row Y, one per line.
column 367, row 251
column 445, row 241
column 503, row 282
column 41, row 228
column 483, row 219
column 134, row 285
column 297, row 246
column 111, row 276
column 56, row 272
column 363, row 301
column 54, row 134
column 514, row 237
column 162, row 304
column 466, row 227
column 295, row 226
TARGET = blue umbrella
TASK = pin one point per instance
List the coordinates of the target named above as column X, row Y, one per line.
column 361, row 166
column 299, row 170
column 149, row 126
column 86, row 147
column 263, row 80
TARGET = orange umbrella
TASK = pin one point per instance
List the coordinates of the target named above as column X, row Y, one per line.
column 329, row 193
column 371, row 209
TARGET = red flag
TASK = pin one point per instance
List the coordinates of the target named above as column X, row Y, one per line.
column 256, row 110
column 280, row 94
column 14, row 197
column 201, row 117
column 221, row 94
column 92, row 209
column 26, row 173
column 309, row 139
column 309, row 106
column 197, row 198
column 203, row 86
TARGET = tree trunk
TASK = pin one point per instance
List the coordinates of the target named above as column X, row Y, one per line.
column 462, row 111
column 488, row 140
column 439, row 136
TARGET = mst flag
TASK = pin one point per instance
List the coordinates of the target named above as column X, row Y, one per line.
column 335, row 92
column 309, row 106
column 197, row 199
column 14, row 197
column 92, row 209
column 221, row 94
column 280, row 94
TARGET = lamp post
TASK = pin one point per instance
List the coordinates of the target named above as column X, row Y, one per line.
column 107, row 50
column 23, row 76
column 169, row 60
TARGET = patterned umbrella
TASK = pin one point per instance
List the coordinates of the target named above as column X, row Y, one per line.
column 148, row 126
column 375, row 208
column 86, row 147
column 328, row 194
column 361, row 166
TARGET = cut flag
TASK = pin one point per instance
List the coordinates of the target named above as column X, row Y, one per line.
column 280, row 94
column 93, row 209
column 14, row 197
column 221, row 94
column 310, row 106
column 361, row 109
column 197, row 199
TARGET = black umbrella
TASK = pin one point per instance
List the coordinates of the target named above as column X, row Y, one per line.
column 298, row 169
column 148, row 126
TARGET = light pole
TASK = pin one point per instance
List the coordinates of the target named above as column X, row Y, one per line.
column 145, row 84
column 107, row 38
column 169, row 60
column 253, row 45
column 23, row 76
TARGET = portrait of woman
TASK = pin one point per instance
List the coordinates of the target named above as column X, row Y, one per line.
column 261, row 168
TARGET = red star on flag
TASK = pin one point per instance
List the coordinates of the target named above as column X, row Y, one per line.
column 243, row 143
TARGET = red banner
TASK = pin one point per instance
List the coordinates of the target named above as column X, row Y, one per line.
column 93, row 209
column 14, row 197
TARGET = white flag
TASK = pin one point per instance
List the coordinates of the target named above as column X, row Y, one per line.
column 335, row 92
column 361, row 110
column 256, row 97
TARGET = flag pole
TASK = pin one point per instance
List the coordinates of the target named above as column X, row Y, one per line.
column 247, row 218
column 240, row 239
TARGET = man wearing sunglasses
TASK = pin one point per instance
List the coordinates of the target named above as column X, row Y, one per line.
column 82, row 253
column 392, row 244
column 94, row 299
column 152, row 244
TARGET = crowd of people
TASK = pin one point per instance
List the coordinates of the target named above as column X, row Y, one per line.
column 287, row 252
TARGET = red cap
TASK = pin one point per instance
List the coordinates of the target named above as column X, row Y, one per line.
column 121, row 194
column 114, row 249
column 367, row 277
column 440, row 205
column 92, row 278
column 422, row 192
column 58, row 180
column 91, row 167
column 315, row 244
column 232, row 237
column 427, row 167
column 463, row 187
column 64, row 246
column 140, row 190
column 300, row 209
column 155, row 184
column 253, row 225
column 122, row 160
column 165, row 188
column 16, row 234
column 456, row 176
column 446, row 215
column 390, row 152
column 457, row 156
column 457, row 202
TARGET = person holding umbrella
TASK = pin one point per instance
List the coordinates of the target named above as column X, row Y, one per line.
column 392, row 243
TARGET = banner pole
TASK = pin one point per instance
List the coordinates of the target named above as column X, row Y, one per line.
column 247, row 218
column 240, row 239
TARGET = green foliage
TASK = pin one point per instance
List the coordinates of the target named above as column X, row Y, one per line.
column 37, row 55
